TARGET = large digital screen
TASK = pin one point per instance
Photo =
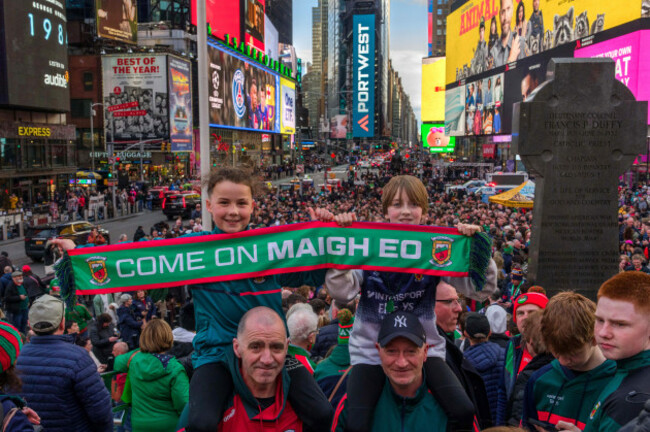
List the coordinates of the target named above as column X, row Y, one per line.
column 363, row 110
column 117, row 20
column 243, row 95
column 136, row 102
column 430, row 27
column 484, row 106
column 254, row 17
column 632, row 67
column 482, row 35
column 271, row 39
column 288, row 106
column 223, row 17
column 180, row 104
column 434, row 138
column 455, row 111
column 34, row 55
column 339, row 126
column 433, row 89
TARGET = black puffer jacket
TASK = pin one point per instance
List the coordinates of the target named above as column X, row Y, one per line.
column 515, row 407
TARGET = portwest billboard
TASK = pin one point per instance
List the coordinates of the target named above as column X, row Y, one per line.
column 243, row 94
column 632, row 67
column 363, row 110
column 515, row 29
column 288, row 106
column 34, row 55
column 434, row 138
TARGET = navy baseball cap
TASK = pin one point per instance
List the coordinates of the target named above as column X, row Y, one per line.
column 401, row 324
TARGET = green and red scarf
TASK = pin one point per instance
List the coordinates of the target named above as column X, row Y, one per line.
column 283, row 249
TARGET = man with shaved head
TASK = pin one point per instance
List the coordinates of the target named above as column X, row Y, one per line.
column 261, row 382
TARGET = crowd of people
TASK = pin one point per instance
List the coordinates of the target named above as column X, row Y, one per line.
column 310, row 351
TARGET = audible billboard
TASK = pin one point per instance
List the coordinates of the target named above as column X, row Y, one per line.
column 433, row 89
column 288, row 106
column 363, row 110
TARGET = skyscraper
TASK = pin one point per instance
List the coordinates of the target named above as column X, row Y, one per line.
column 280, row 12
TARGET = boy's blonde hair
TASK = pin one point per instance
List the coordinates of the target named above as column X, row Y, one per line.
column 414, row 189
column 568, row 322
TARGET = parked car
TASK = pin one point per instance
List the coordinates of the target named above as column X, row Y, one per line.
column 36, row 237
column 180, row 204
column 470, row 186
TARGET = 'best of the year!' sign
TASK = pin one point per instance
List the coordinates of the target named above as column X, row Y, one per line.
column 283, row 249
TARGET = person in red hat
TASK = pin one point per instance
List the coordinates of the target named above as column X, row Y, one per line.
column 33, row 284
column 517, row 356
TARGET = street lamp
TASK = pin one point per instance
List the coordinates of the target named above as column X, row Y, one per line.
column 92, row 134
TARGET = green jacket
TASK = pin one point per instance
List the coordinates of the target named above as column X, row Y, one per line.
column 79, row 314
column 334, row 365
column 159, row 388
column 555, row 393
column 219, row 306
column 623, row 398
column 98, row 304
column 394, row 413
column 303, row 356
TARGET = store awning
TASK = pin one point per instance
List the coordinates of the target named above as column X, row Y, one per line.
column 513, row 198
column 88, row 175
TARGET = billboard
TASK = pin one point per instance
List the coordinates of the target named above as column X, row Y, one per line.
column 363, row 110
column 135, row 97
column 180, row 104
column 34, row 55
column 484, row 106
column 254, row 20
column 455, row 111
column 632, row 68
column 287, row 106
column 223, row 16
column 433, row 89
column 243, row 95
column 434, row 138
column 117, row 20
column 271, row 39
column 484, row 34
column 339, row 126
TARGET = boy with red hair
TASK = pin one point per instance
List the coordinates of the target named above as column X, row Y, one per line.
column 622, row 332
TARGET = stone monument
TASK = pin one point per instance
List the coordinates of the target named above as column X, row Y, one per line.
column 578, row 132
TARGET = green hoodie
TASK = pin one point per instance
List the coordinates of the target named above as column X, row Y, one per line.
column 556, row 393
column 160, row 390
column 623, row 398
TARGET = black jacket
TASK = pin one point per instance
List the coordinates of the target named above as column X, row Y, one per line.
column 12, row 298
column 500, row 339
column 34, row 286
column 641, row 423
column 328, row 336
column 470, row 379
column 102, row 346
column 515, row 407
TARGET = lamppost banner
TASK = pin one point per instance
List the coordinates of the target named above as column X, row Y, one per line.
column 363, row 112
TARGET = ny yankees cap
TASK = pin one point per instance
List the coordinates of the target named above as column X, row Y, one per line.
column 401, row 324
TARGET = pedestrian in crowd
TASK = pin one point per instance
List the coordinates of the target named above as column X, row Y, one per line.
column 123, row 238
column 103, row 336
column 327, row 337
column 533, row 338
column 447, row 309
column 4, row 260
column 331, row 374
column 87, row 345
column 517, row 354
column 498, row 319
column 404, row 200
column 405, row 402
column 158, row 384
column 622, row 331
column 139, row 234
column 580, row 371
column 487, row 357
column 33, row 284
column 196, row 213
column 5, row 280
column 128, row 323
column 16, row 302
column 53, row 368
column 80, row 315
column 184, row 335
column 638, row 264
column 302, row 323
column 17, row 417
column 95, row 237
column 143, row 306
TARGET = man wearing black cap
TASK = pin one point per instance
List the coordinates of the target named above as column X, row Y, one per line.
column 405, row 404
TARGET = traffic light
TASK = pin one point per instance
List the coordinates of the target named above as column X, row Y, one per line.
column 333, row 155
column 117, row 161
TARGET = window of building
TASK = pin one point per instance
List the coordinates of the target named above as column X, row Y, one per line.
column 58, row 153
column 88, row 81
column 8, row 153
column 439, row 22
column 80, row 108
column 439, row 11
column 34, row 155
column 439, row 32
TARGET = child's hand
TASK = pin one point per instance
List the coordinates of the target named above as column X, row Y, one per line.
column 321, row 214
column 468, row 230
column 345, row 219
